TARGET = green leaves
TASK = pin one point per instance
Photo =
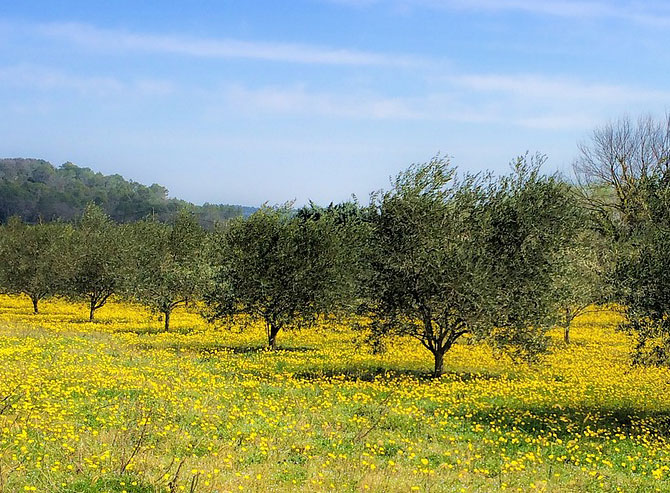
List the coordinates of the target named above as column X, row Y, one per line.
column 34, row 259
column 641, row 276
column 452, row 255
column 98, row 259
column 276, row 267
column 170, row 263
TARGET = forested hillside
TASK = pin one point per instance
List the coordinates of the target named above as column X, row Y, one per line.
column 36, row 190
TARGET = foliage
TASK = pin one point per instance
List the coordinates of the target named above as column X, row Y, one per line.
column 530, row 221
column 582, row 280
column 34, row 259
column 641, row 276
column 277, row 268
column 99, row 264
column 625, row 170
column 35, row 190
column 171, row 263
column 346, row 226
column 451, row 256
column 613, row 163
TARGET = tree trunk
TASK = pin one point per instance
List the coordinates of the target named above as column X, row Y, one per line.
column 272, row 337
column 166, row 315
column 439, row 362
column 91, row 314
column 35, row 300
column 566, row 326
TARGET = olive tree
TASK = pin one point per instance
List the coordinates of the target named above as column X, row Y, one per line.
column 33, row 259
column 170, row 263
column 451, row 256
column 274, row 267
column 99, row 262
column 531, row 220
column 582, row 281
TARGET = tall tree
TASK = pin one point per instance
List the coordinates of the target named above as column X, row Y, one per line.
column 451, row 256
column 624, row 169
column 611, row 165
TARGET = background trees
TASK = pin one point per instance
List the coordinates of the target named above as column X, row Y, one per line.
column 624, row 170
column 613, row 162
column 582, row 283
column 36, row 191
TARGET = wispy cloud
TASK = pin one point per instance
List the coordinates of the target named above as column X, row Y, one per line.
column 530, row 101
column 49, row 79
column 109, row 40
column 298, row 100
column 652, row 13
column 544, row 88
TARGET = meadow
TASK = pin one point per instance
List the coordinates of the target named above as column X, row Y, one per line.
column 119, row 405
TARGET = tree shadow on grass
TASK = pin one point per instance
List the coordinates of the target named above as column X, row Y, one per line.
column 364, row 374
column 253, row 349
column 213, row 349
column 141, row 331
column 566, row 422
column 372, row 373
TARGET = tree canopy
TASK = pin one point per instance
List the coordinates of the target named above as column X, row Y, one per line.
column 451, row 256
column 276, row 268
column 36, row 191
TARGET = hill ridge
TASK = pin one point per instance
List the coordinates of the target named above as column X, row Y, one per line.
column 36, row 190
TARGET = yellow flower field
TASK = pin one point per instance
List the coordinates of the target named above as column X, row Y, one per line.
column 117, row 405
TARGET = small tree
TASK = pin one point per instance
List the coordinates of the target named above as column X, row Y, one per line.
column 532, row 221
column 33, row 259
column 450, row 257
column 99, row 266
column 582, row 280
column 275, row 268
column 171, row 265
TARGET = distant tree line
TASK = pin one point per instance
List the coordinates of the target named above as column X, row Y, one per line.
column 439, row 257
column 36, row 191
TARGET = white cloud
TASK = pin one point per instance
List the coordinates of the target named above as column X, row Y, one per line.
column 121, row 41
column 530, row 101
column 50, row 79
column 646, row 13
column 297, row 100
column 537, row 87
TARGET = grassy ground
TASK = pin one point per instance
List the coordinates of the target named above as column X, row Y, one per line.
column 119, row 406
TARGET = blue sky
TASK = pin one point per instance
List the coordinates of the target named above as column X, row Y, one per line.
column 248, row 102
